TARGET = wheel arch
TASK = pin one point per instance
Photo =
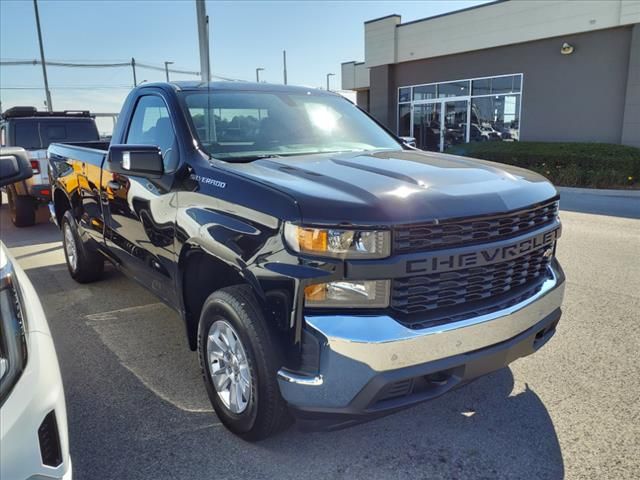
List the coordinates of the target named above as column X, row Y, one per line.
column 200, row 273
column 61, row 204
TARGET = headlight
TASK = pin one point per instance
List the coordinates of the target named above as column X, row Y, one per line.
column 348, row 294
column 13, row 347
column 338, row 243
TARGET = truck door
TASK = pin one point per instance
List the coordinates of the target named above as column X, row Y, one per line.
column 140, row 216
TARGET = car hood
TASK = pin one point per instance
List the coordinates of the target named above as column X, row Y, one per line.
column 392, row 187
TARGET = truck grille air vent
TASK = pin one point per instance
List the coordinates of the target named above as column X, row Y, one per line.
column 50, row 441
column 397, row 389
column 472, row 231
column 446, row 297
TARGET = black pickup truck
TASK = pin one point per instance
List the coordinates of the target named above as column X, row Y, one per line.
column 324, row 270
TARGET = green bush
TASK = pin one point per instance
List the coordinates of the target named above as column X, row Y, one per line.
column 595, row 165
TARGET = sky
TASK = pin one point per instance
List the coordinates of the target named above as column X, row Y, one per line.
column 318, row 36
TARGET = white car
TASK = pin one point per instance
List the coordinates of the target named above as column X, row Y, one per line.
column 33, row 416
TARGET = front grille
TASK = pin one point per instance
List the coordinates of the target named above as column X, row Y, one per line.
column 438, row 298
column 472, row 231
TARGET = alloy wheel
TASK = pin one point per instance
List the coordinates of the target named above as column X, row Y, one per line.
column 228, row 366
column 70, row 248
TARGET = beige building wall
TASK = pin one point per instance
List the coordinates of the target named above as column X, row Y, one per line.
column 387, row 41
column 631, row 121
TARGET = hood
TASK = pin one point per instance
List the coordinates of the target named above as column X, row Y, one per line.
column 395, row 187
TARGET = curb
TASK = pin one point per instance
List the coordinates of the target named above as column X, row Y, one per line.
column 600, row 192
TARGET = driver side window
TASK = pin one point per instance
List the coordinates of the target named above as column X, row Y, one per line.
column 151, row 125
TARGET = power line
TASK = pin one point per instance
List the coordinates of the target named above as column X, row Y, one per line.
column 78, row 87
column 68, row 64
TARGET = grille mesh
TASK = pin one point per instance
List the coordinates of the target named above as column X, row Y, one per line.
column 453, row 296
column 454, row 233
column 49, row 438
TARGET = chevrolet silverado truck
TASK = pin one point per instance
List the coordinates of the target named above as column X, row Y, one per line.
column 325, row 271
column 34, row 131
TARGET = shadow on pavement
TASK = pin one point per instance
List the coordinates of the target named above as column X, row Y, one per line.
column 137, row 407
column 42, row 232
column 130, row 378
column 488, row 429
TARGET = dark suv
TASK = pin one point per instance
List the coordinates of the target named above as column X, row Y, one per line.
column 34, row 131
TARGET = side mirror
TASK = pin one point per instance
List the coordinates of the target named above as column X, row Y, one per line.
column 136, row 160
column 14, row 165
column 409, row 141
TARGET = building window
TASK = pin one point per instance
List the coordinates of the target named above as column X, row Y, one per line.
column 497, row 85
column 424, row 92
column 453, row 89
column 404, row 95
column 495, row 118
column 404, row 120
column 470, row 110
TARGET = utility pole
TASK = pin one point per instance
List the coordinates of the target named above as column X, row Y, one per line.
column 166, row 69
column 258, row 70
column 44, row 65
column 133, row 68
column 284, row 63
column 203, row 40
column 329, row 75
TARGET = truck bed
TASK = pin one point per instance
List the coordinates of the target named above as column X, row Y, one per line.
column 91, row 152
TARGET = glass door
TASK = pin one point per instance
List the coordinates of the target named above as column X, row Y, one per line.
column 426, row 125
column 454, row 119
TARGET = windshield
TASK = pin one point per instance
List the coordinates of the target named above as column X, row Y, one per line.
column 245, row 125
column 34, row 134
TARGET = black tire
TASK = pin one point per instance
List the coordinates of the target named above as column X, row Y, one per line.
column 22, row 209
column 266, row 412
column 88, row 265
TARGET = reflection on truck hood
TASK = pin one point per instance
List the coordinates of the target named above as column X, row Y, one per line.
column 392, row 187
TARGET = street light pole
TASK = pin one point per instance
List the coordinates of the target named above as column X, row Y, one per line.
column 258, row 70
column 284, row 63
column 166, row 69
column 329, row 75
column 203, row 40
column 44, row 65
column 133, row 69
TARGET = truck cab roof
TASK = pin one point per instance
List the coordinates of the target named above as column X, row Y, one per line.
column 234, row 86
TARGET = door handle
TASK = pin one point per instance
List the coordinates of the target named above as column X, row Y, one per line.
column 113, row 185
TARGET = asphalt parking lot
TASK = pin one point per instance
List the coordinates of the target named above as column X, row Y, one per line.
column 138, row 409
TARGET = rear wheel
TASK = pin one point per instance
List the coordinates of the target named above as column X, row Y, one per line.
column 84, row 264
column 240, row 357
column 22, row 209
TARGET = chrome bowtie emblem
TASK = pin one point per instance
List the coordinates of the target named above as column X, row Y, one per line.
column 548, row 253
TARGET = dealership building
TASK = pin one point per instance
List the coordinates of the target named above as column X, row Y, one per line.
column 505, row 71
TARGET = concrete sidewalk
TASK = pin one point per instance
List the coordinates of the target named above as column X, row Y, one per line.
column 600, row 192
column 617, row 203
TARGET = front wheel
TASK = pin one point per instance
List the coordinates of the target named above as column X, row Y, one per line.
column 240, row 357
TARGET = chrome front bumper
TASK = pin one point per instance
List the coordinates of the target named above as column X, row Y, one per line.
column 356, row 349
